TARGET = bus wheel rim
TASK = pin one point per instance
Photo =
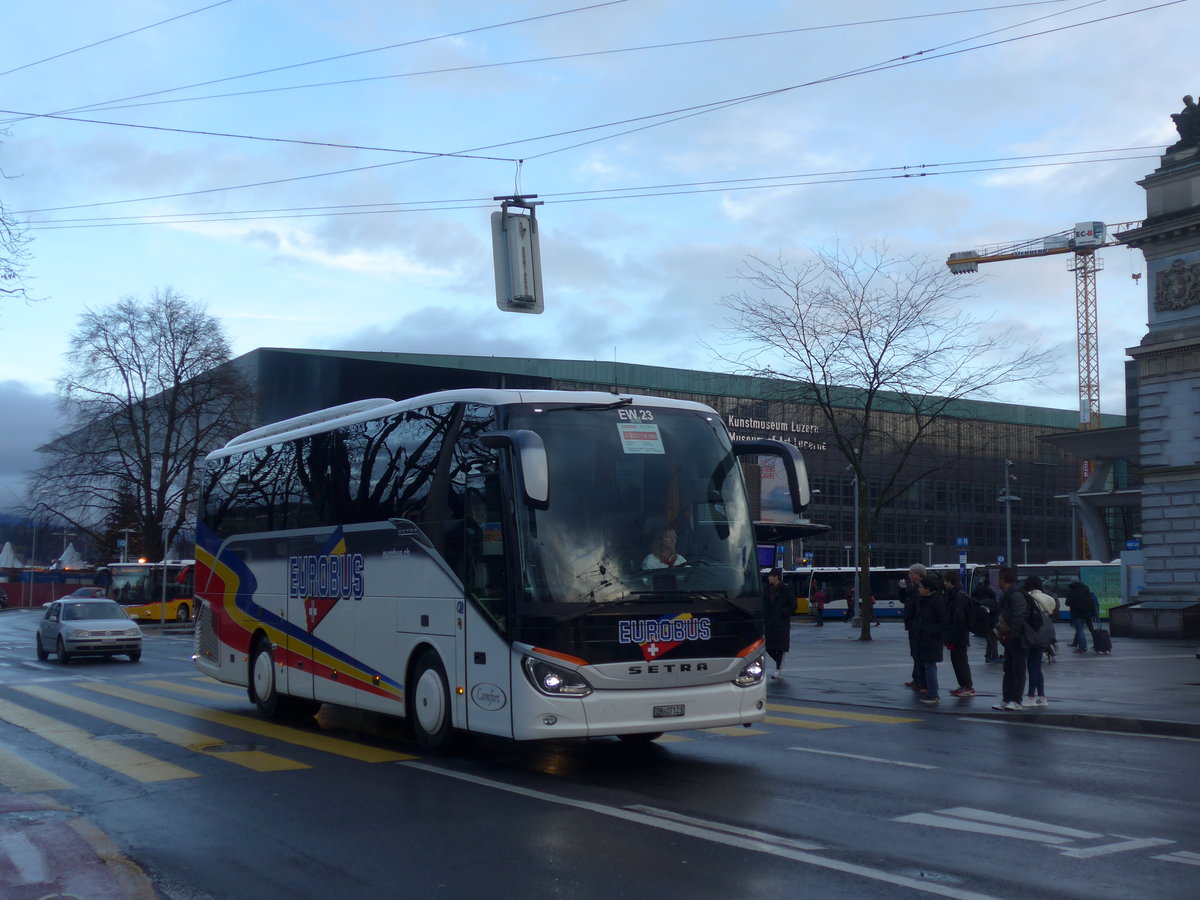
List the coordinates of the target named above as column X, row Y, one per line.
column 264, row 676
column 430, row 701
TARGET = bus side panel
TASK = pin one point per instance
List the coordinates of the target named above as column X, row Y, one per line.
column 412, row 598
column 488, row 671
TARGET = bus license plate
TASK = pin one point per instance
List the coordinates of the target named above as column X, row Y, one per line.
column 666, row 712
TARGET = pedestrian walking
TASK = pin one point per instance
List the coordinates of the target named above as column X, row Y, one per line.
column 778, row 606
column 1010, row 631
column 985, row 595
column 1032, row 586
column 910, row 596
column 931, row 622
column 958, row 634
column 1079, row 602
column 819, row 599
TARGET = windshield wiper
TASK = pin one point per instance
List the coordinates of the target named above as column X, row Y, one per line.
column 587, row 407
column 636, row 599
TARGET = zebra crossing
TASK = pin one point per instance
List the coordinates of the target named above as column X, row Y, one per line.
column 214, row 731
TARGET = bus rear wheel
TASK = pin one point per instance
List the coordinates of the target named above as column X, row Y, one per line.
column 429, row 703
column 265, row 694
column 183, row 613
column 262, row 680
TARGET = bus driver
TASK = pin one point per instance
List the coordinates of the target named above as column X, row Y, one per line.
column 662, row 553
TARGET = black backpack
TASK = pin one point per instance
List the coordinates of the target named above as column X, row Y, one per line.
column 1039, row 630
column 979, row 619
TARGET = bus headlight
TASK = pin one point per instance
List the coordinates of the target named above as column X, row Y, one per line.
column 752, row 674
column 555, row 681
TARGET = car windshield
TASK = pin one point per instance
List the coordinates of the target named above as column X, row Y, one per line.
column 79, row 611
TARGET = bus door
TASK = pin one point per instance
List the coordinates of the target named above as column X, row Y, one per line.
column 487, row 663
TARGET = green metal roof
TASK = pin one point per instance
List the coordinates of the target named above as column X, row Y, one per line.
column 658, row 378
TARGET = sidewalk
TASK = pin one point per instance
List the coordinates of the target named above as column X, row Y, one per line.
column 1145, row 686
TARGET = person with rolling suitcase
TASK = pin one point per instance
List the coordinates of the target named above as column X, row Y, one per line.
column 1101, row 639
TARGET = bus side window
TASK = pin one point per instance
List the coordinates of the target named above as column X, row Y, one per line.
column 480, row 559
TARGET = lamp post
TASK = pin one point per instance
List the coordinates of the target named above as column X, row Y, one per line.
column 162, row 607
column 1025, row 551
column 1007, row 498
column 929, row 549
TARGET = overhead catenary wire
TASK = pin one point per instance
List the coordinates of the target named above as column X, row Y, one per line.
column 677, row 114
column 629, row 193
column 119, row 104
column 115, row 37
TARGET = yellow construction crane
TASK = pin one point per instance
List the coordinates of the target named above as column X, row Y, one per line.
column 1083, row 241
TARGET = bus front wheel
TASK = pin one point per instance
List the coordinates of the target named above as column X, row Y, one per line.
column 183, row 613
column 262, row 680
column 429, row 703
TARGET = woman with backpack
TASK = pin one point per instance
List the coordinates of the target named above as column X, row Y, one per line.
column 1049, row 609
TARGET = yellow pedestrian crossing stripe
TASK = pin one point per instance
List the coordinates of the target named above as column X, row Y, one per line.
column 17, row 774
column 126, row 760
column 24, row 777
column 839, row 714
column 257, row 760
column 253, row 725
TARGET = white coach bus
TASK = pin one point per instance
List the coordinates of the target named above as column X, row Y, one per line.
column 492, row 561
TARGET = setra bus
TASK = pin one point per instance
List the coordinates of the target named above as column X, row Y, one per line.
column 479, row 560
column 139, row 587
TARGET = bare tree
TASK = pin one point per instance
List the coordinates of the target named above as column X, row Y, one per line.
column 148, row 390
column 14, row 255
column 860, row 334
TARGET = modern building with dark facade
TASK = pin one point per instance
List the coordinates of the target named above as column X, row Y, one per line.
column 960, row 501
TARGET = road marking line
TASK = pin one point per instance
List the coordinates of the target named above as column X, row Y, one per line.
column 801, row 723
column 713, row 833
column 983, row 815
column 727, row 829
column 953, row 824
column 891, row 762
column 132, row 763
column 337, row 746
column 257, row 760
column 831, row 714
column 28, row 860
column 1181, row 856
column 734, row 731
column 24, row 777
column 1119, row 847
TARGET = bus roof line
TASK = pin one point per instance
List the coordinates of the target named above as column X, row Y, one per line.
column 361, row 410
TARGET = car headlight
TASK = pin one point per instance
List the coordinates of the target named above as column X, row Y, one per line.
column 132, row 632
column 78, row 633
column 752, row 673
column 555, row 681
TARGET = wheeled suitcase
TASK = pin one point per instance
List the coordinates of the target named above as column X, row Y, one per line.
column 1102, row 640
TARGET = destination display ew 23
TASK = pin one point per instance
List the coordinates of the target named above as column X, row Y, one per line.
column 528, row 564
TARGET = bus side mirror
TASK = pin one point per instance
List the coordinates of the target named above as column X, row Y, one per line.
column 533, row 468
column 793, row 465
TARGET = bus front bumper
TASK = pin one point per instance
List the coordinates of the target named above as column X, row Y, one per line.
column 614, row 712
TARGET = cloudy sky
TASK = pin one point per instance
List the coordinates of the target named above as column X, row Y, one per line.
column 321, row 174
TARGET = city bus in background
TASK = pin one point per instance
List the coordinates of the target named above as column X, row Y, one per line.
column 527, row 564
column 1102, row 579
column 838, row 582
column 138, row 586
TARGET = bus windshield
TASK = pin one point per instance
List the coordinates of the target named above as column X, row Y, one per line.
column 645, row 504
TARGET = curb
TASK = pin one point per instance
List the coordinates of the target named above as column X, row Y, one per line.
column 1089, row 722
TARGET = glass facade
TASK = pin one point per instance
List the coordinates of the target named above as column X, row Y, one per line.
column 962, row 464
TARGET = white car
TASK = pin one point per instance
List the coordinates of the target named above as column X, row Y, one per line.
column 87, row 627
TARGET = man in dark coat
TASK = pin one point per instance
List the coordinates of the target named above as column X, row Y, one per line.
column 911, row 598
column 778, row 607
column 1079, row 602
column 1010, row 630
column 932, row 618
